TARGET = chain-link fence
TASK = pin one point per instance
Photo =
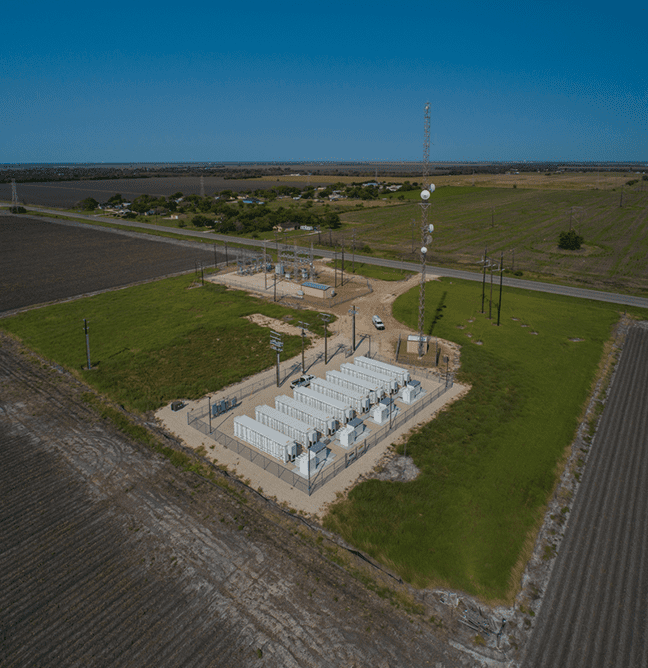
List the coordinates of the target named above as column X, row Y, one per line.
column 327, row 472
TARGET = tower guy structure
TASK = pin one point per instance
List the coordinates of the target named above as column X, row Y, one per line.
column 426, row 229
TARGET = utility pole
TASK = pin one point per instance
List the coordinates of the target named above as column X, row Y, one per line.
column 87, row 340
column 275, row 284
column 265, row 264
column 325, row 317
column 276, row 344
column 499, row 305
column 304, row 326
column 342, row 267
column 226, row 256
column 485, row 263
column 354, row 246
column 490, row 303
column 335, row 266
column 352, row 312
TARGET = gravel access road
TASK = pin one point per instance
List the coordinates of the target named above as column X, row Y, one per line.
column 594, row 611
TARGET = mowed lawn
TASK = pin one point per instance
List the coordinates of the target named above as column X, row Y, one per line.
column 161, row 341
column 490, row 462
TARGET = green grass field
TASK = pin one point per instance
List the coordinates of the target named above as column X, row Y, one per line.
column 523, row 225
column 161, row 341
column 488, row 463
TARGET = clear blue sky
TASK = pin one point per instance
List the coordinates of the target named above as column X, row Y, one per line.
column 144, row 81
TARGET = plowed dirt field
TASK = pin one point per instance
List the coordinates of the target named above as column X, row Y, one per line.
column 43, row 262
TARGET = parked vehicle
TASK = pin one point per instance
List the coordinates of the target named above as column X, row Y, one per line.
column 378, row 323
column 302, row 381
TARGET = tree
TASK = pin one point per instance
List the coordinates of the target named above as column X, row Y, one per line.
column 570, row 240
column 200, row 221
column 88, row 204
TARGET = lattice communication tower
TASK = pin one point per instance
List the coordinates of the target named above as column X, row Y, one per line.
column 425, row 231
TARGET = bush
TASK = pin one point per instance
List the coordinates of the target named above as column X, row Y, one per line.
column 570, row 240
column 18, row 209
column 201, row 221
column 88, row 204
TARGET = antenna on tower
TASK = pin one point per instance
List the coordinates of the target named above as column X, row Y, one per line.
column 426, row 145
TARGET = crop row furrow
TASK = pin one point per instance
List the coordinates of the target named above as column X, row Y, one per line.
column 120, row 609
column 612, row 466
column 168, row 625
column 583, row 617
column 616, row 556
column 577, row 552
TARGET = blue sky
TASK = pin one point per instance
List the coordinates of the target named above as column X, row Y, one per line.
column 144, row 81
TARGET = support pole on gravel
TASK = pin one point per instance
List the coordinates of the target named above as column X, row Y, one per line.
column 87, row 338
column 353, row 312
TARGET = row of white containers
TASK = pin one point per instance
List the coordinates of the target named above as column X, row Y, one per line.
column 323, row 421
column 369, row 389
column 297, row 430
column 401, row 375
column 265, row 438
column 358, row 401
column 321, row 407
column 386, row 382
column 340, row 410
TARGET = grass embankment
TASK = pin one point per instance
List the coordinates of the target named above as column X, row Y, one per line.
column 489, row 463
column 161, row 341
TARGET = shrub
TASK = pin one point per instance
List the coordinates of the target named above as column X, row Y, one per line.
column 570, row 240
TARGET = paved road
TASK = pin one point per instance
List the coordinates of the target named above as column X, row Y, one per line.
column 594, row 613
column 582, row 293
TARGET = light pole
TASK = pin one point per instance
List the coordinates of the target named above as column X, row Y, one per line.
column 325, row 317
column 304, row 326
column 276, row 344
column 352, row 312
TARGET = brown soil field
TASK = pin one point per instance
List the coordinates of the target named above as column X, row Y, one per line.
column 65, row 194
column 111, row 556
column 43, row 261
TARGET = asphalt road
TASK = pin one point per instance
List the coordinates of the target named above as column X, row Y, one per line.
column 594, row 611
column 582, row 293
